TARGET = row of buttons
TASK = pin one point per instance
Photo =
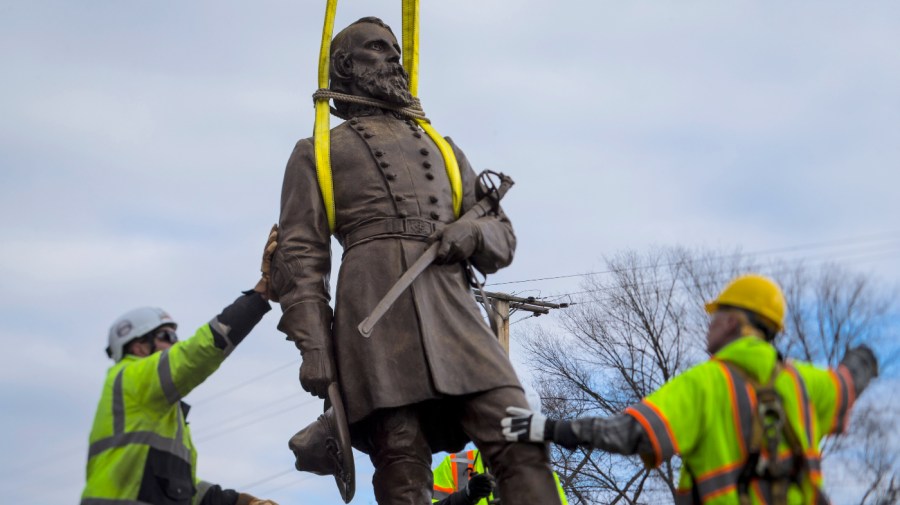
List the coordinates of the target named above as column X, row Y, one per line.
column 390, row 176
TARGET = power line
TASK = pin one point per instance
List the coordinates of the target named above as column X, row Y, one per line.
column 254, row 421
column 775, row 263
column 243, row 384
column 884, row 236
column 302, row 478
column 267, row 479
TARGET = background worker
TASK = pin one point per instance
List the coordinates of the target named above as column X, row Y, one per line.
column 140, row 445
column 746, row 424
column 464, row 478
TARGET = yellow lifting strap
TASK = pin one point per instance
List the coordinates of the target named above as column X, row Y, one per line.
column 322, row 129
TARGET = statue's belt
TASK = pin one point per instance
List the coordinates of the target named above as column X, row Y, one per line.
column 391, row 227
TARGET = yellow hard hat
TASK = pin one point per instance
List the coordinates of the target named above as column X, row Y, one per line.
column 756, row 293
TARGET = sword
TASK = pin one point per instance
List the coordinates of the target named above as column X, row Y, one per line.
column 481, row 208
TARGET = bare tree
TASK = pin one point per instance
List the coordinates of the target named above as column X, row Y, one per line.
column 642, row 322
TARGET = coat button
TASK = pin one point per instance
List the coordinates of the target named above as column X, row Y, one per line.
column 379, row 153
column 433, row 199
column 391, row 177
column 435, row 216
column 384, row 164
column 398, row 198
column 368, row 135
column 402, row 213
column 417, row 135
column 360, row 128
column 429, row 176
column 354, row 121
column 424, row 151
column 426, row 164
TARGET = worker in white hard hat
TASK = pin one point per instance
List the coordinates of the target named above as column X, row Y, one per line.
column 140, row 445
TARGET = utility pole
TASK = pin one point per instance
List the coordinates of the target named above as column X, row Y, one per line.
column 502, row 303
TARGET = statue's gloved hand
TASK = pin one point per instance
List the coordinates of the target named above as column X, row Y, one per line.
column 480, row 486
column 262, row 287
column 458, row 241
column 317, row 371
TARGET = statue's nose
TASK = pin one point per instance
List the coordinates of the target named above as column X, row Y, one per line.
column 393, row 56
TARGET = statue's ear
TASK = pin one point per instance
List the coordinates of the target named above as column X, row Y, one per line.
column 341, row 65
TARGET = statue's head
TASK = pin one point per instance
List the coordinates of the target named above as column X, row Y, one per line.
column 365, row 61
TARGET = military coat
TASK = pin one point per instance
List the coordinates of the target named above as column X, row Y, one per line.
column 433, row 342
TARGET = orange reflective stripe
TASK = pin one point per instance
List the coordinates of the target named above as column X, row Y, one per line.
column 453, row 471
column 719, row 481
column 762, row 492
column 743, row 404
column 803, row 410
column 658, row 430
column 845, row 397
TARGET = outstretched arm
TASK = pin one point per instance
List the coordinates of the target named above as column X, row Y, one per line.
column 620, row 434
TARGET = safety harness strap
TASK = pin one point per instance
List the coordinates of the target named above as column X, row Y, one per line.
column 322, row 127
column 769, row 424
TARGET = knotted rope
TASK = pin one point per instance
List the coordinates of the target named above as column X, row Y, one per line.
column 413, row 111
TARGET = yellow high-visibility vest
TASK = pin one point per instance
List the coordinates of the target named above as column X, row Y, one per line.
column 705, row 415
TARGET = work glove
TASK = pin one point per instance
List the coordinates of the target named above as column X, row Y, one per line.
column 262, row 287
column 523, row 425
column 247, row 499
column 317, row 372
column 458, row 241
column 480, row 485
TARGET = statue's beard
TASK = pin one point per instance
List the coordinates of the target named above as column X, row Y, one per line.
column 385, row 82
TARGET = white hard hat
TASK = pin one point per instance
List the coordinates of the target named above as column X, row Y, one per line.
column 135, row 324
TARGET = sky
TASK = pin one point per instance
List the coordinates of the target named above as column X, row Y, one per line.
column 143, row 144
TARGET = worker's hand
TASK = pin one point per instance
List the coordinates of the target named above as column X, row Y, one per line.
column 317, row 372
column 523, row 425
column 458, row 241
column 480, row 486
column 262, row 287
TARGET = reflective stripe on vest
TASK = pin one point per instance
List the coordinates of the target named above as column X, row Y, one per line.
column 461, row 471
column 804, row 413
column 165, row 378
column 743, row 404
column 845, row 396
column 657, row 428
column 120, row 438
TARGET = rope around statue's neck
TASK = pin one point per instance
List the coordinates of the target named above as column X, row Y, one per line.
column 413, row 111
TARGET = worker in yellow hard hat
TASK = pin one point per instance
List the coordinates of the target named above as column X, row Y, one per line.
column 746, row 423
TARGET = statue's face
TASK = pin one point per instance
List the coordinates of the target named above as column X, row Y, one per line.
column 374, row 47
column 372, row 60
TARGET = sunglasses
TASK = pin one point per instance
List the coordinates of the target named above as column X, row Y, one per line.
column 166, row 334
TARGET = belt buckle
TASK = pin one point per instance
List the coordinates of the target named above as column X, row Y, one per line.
column 419, row 227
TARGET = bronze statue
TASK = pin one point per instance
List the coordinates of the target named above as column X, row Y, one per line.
column 432, row 376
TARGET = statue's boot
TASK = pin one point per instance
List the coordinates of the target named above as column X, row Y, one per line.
column 402, row 483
